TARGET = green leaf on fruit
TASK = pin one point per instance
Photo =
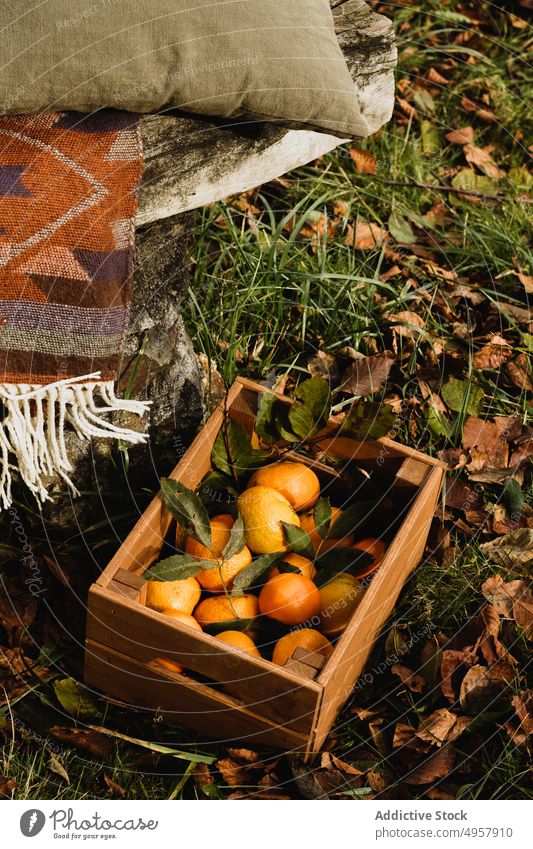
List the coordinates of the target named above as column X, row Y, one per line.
column 298, row 540
column 322, row 517
column 187, row 508
column 248, row 576
column 311, row 408
column 179, row 567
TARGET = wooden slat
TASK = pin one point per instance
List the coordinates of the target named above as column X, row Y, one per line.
column 412, row 473
column 349, row 657
column 142, row 546
column 183, row 701
column 144, row 634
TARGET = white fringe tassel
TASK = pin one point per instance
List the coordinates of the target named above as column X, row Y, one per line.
column 32, row 428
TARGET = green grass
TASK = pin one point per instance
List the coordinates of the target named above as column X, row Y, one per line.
column 263, row 302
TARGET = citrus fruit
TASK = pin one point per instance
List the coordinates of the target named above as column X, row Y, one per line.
column 305, row 565
column 177, row 595
column 220, row 533
column 376, row 548
column 166, row 663
column 221, row 576
column 307, row 524
column 306, row 638
column 221, row 608
column 240, row 641
column 182, row 618
column 338, row 600
column 263, row 509
column 289, row 598
column 297, row 482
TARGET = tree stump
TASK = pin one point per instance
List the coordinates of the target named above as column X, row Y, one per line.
column 190, row 162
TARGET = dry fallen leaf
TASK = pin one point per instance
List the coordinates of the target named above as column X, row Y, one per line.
column 7, row 787
column 95, row 744
column 365, row 162
column 411, row 679
column 512, row 549
column 113, row 788
column 367, row 375
column 493, row 355
column 232, row 772
column 519, row 371
column 481, row 158
column 465, row 135
column 484, row 441
column 482, row 689
column 442, row 726
column 438, row 765
column 55, row 765
column 501, row 595
column 454, row 664
column 364, row 236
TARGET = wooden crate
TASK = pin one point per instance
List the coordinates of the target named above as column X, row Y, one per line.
column 233, row 696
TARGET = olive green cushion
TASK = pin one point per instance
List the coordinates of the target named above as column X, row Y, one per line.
column 261, row 59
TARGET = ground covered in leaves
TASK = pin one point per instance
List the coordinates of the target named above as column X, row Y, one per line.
column 401, row 270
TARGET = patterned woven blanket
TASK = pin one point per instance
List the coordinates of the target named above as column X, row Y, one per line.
column 68, row 197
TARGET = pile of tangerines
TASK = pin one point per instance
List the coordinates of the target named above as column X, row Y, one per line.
column 312, row 616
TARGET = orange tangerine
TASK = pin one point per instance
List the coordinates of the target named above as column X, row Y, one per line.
column 222, row 608
column 305, row 565
column 177, row 595
column 263, row 509
column 220, row 533
column 221, row 576
column 296, row 481
column 239, row 640
column 376, row 548
column 306, row 638
column 182, row 618
column 289, row 598
column 307, row 524
column 339, row 598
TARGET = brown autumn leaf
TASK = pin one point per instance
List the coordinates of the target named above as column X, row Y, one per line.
column 202, row 775
column 484, row 441
column 364, row 236
column 442, row 726
column 438, row 765
column 526, row 281
column 454, row 664
column 519, row 372
column 246, row 755
column 365, row 161
column 406, row 324
column 523, row 705
column 493, row 355
column 367, row 375
column 483, row 688
column 482, row 159
column 412, row 680
column 465, row 135
column 328, row 759
column 18, row 609
column 523, row 611
column 95, row 744
column 512, row 549
column 461, row 496
column 437, row 794
column 501, row 595
column 232, row 772
column 113, row 788
column 7, row 787
column 436, row 727
column 491, row 648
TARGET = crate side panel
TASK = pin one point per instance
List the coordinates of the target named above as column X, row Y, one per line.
column 185, row 702
column 144, row 635
column 353, row 648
